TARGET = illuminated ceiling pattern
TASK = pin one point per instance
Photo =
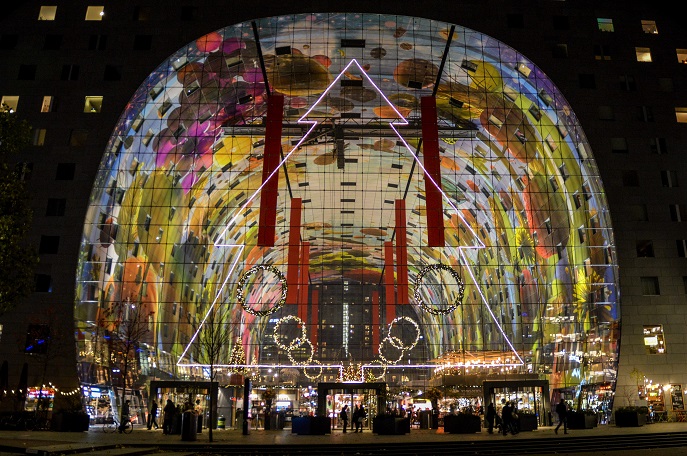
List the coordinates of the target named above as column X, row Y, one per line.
column 174, row 215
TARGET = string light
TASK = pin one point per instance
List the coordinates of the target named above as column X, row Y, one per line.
column 457, row 278
column 242, row 283
column 296, row 341
column 396, row 341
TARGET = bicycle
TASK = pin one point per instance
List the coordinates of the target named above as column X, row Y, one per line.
column 115, row 426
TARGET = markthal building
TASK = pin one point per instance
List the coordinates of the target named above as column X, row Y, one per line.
column 354, row 200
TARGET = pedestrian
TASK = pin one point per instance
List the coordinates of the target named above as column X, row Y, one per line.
column 506, row 418
column 343, row 416
column 362, row 414
column 356, row 415
column 168, row 416
column 125, row 415
column 562, row 411
column 152, row 416
column 491, row 416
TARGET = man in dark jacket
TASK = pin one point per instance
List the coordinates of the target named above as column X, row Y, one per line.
column 562, row 411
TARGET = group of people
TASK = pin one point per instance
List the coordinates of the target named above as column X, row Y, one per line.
column 509, row 418
column 359, row 415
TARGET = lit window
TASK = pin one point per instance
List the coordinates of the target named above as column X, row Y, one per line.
column 95, row 13
column 9, row 103
column 681, row 115
column 654, row 341
column 39, row 136
column 605, row 25
column 649, row 27
column 47, row 103
column 643, row 54
column 681, row 55
column 47, row 13
column 93, row 104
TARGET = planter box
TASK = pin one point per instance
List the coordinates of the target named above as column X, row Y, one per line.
column 390, row 425
column 462, row 424
column 311, row 425
column 630, row 419
column 578, row 420
column 528, row 422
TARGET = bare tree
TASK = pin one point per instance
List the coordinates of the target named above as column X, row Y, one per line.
column 212, row 344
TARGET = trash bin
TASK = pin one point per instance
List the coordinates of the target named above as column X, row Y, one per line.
column 221, row 422
column 189, row 426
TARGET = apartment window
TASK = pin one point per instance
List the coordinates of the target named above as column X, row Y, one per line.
column 681, row 115
column 587, row 81
column 627, row 83
column 46, row 106
column 630, row 178
column 650, row 286
column 559, row 51
column 665, row 84
column 669, row 178
column 516, row 21
column 47, row 13
column 93, row 104
column 638, row 213
column 602, row 52
column 9, row 103
column 95, row 13
column 619, row 145
column 561, row 22
column 70, row 73
column 49, row 244
column 43, row 283
column 606, row 113
column 39, row 136
column 682, row 55
column 143, row 42
column 37, row 338
column 112, row 73
column 681, row 248
column 65, row 171
column 645, row 113
column 678, row 212
column 8, row 42
column 27, row 72
column 78, row 138
column 658, row 146
column 52, row 42
column 643, row 54
column 97, row 43
column 604, row 24
column 654, row 342
column 56, row 207
column 649, row 27
column 645, row 249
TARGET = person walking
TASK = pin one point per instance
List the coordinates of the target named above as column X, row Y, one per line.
column 343, row 416
column 152, row 416
column 506, row 418
column 126, row 411
column 168, row 416
column 362, row 414
column 562, row 411
column 356, row 415
column 491, row 416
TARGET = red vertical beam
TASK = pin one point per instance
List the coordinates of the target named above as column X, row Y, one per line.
column 432, row 162
column 401, row 252
column 294, row 251
column 375, row 321
column 270, row 162
column 303, row 283
column 389, row 281
column 314, row 316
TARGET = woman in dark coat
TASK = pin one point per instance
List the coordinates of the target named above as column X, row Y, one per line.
column 343, row 416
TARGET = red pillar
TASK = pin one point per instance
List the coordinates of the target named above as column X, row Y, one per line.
column 294, row 251
column 270, row 162
column 303, row 283
column 389, row 281
column 375, row 321
column 401, row 252
column 432, row 163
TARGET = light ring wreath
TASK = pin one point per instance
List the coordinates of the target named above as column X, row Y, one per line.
column 242, row 283
column 297, row 341
column 397, row 342
column 454, row 274
column 382, row 366
column 383, row 358
column 313, row 377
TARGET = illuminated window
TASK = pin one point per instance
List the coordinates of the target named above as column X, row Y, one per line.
column 650, row 286
column 681, row 55
column 649, row 27
column 46, row 106
column 654, row 341
column 95, row 13
column 47, row 13
column 93, row 104
column 643, row 54
column 605, row 25
column 9, row 103
column 602, row 52
column 681, row 115
column 39, row 136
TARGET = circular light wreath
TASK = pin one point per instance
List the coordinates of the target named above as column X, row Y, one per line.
column 242, row 283
column 313, row 377
column 397, row 342
column 454, row 274
column 380, row 376
column 383, row 358
column 297, row 341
